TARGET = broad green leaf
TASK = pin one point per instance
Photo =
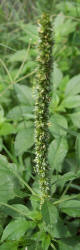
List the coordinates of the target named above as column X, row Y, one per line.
column 59, row 230
column 34, row 245
column 28, row 168
column 73, row 86
column 1, row 144
column 57, row 76
column 63, row 27
column 57, row 151
column 46, row 242
column 1, row 229
column 18, row 56
column 25, row 124
column 9, row 246
column 70, row 244
column 77, row 149
column 7, row 129
column 20, row 112
column 31, row 33
column 71, row 208
column 30, row 214
column 49, row 213
column 21, row 210
column 43, row 237
column 58, row 125
column 75, row 118
column 63, row 83
column 15, row 229
column 71, row 101
column 24, row 140
column 25, row 211
column 9, row 186
column 24, row 94
column 2, row 118
column 54, row 103
column 59, row 20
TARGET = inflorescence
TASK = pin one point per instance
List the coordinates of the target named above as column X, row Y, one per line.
column 42, row 103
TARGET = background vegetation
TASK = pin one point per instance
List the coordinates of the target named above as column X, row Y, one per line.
column 22, row 224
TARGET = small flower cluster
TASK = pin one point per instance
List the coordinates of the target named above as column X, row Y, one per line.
column 42, row 103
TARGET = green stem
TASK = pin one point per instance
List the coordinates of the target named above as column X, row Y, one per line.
column 42, row 103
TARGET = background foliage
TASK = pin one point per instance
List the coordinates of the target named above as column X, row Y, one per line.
column 22, row 224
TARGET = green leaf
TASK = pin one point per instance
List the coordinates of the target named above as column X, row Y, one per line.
column 69, row 244
column 57, row 151
column 49, row 213
column 1, row 229
column 24, row 140
column 63, row 27
column 77, row 150
column 9, row 246
column 28, row 169
column 57, row 76
column 71, row 102
column 15, row 229
column 75, row 118
column 54, row 103
column 71, row 208
column 20, row 112
column 18, row 56
column 59, row 230
column 8, row 183
column 22, row 209
column 58, row 125
column 1, row 144
column 46, row 242
column 24, row 94
column 73, row 86
column 7, row 129
column 2, row 118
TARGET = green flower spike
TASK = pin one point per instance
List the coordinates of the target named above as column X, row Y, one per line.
column 42, row 103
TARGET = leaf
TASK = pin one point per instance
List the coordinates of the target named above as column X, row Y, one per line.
column 22, row 209
column 77, row 150
column 73, row 86
column 60, row 230
column 69, row 244
column 58, row 125
column 2, row 118
column 63, row 27
column 28, row 169
column 1, row 228
column 71, row 208
column 57, row 76
column 9, row 246
column 54, row 103
column 24, row 140
column 1, row 144
column 18, row 56
column 31, row 33
column 57, row 151
column 24, row 94
column 46, row 241
column 49, row 213
column 75, row 118
column 15, row 229
column 20, row 112
column 7, row 181
column 10, row 186
column 7, row 129
column 71, row 102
